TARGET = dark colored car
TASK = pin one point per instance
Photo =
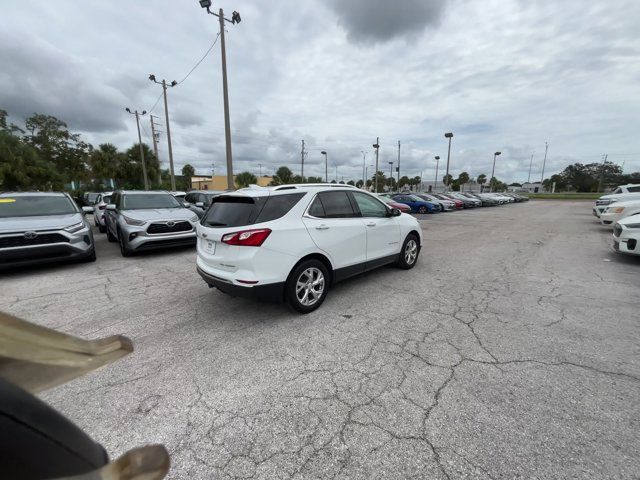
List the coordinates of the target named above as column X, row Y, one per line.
column 416, row 204
column 486, row 200
column 199, row 200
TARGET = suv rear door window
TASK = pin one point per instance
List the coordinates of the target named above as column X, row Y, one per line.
column 633, row 189
column 369, row 206
column 337, row 205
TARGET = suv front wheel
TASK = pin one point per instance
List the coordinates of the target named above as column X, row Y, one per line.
column 307, row 286
column 124, row 249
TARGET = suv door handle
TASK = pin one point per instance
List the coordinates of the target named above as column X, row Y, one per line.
column 322, row 227
column 371, row 224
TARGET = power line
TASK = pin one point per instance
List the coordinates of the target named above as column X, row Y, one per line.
column 201, row 60
column 155, row 104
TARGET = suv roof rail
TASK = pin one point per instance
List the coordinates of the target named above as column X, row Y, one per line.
column 293, row 186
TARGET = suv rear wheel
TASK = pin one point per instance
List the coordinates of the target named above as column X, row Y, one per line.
column 409, row 254
column 307, row 286
column 110, row 236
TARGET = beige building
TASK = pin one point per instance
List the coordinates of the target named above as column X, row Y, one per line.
column 219, row 182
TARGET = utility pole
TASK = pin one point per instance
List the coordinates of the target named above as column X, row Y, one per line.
column 364, row 174
column 375, row 175
column 398, row 169
column 326, row 167
column 144, row 165
column 336, row 165
column 530, row 165
column 302, row 161
column 155, row 140
column 390, row 175
column 152, row 77
column 449, row 136
column 604, row 161
column 235, row 18
column 435, row 182
column 544, row 162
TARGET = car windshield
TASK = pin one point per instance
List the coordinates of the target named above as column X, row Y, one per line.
column 36, row 205
column 140, row 201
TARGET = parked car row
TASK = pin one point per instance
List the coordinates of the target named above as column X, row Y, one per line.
column 620, row 211
column 444, row 202
column 284, row 244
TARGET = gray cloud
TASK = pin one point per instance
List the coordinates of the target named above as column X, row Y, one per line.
column 382, row 20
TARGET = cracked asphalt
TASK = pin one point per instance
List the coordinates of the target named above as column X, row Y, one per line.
column 512, row 350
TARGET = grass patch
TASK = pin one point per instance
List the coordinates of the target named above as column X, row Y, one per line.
column 564, row 196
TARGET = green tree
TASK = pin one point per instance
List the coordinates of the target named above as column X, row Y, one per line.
column 188, row 171
column 447, row 180
column 482, row 179
column 379, row 181
column 284, row 174
column 404, row 181
column 104, row 163
column 351, row 182
column 359, row 184
column 130, row 171
column 245, row 179
column 416, row 181
column 463, row 179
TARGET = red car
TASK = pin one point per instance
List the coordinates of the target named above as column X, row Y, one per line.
column 459, row 203
column 400, row 206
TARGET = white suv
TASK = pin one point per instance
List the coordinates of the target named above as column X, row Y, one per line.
column 291, row 243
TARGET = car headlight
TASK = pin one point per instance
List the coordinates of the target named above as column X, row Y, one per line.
column 615, row 209
column 76, row 227
column 194, row 218
column 133, row 221
column 632, row 225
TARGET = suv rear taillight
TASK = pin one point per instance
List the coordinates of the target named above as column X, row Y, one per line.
column 247, row 238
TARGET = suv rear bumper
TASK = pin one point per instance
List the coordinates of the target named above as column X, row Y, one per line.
column 271, row 292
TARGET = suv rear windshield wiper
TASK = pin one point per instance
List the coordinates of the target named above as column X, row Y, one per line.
column 215, row 224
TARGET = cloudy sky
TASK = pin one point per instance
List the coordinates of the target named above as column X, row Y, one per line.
column 502, row 75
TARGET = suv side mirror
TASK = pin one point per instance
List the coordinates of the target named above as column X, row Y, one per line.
column 395, row 212
column 200, row 204
column 111, row 207
column 86, row 210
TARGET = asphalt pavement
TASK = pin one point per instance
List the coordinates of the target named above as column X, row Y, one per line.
column 512, row 350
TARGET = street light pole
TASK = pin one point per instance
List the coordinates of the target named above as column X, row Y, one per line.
column 493, row 170
column 144, row 165
column 375, row 176
column 364, row 174
column 530, row 165
column 326, row 167
column 399, row 163
column 449, row 136
column 544, row 162
column 435, row 182
column 390, row 175
column 235, row 18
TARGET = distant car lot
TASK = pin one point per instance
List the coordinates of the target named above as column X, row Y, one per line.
column 510, row 350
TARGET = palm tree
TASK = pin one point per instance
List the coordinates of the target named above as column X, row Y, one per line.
column 482, row 179
column 245, row 179
column 462, row 179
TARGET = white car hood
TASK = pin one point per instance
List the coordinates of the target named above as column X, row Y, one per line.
column 629, row 220
column 152, row 214
column 628, row 203
column 621, row 196
column 45, row 222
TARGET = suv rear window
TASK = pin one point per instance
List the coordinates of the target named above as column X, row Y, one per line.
column 230, row 211
column 633, row 189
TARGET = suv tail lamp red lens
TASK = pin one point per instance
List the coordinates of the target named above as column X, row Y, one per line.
column 247, row 238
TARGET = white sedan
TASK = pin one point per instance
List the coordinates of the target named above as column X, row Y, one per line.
column 618, row 211
column 626, row 235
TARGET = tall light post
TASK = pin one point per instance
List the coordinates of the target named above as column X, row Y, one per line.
column 530, row 165
column 375, row 176
column 390, row 175
column 435, row 182
column 144, row 165
column 336, row 167
column 326, row 167
column 364, row 174
column 152, row 77
column 493, row 170
column 235, row 18
column 449, row 136
column 544, row 162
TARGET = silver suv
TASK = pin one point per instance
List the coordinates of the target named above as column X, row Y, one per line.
column 36, row 227
column 144, row 220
